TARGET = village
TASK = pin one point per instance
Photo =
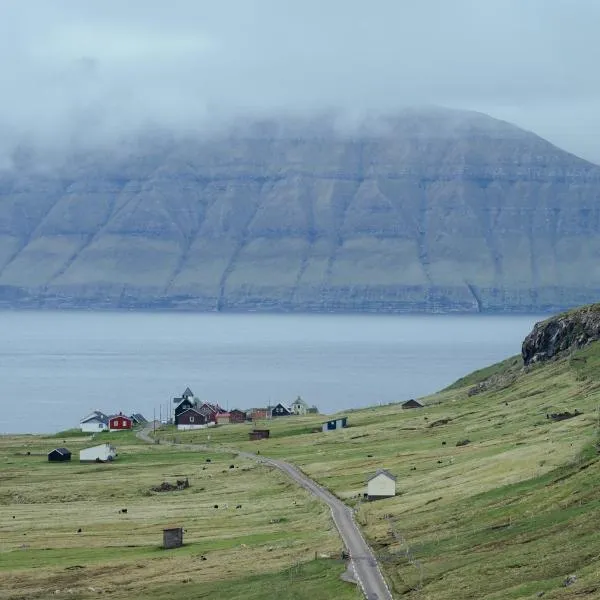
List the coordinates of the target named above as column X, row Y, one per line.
column 189, row 413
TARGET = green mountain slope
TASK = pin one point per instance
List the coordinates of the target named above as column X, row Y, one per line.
column 428, row 210
column 511, row 514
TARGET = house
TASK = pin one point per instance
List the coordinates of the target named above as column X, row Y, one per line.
column 59, row 455
column 223, row 418
column 299, row 407
column 94, row 422
column 256, row 414
column 138, row 419
column 120, row 423
column 210, row 411
column 101, row 453
column 191, row 419
column 381, row 485
column 280, row 411
column 184, row 404
column 237, row 416
column 188, row 393
column 412, row 403
column 333, row 424
column 259, row 434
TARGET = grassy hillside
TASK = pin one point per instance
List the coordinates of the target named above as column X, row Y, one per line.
column 510, row 514
column 249, row 552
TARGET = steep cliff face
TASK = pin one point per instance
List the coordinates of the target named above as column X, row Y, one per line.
column 426, row 211
column 567, row 331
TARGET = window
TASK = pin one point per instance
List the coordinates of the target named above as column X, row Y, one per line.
column 191, row 419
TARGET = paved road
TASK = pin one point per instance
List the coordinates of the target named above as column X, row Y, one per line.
column 365, row 565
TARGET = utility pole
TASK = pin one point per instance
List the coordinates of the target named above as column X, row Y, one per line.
column 154, row 420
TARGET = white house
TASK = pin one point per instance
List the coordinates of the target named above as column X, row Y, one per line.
column 94, row 422
column 101, row 453
column 299, row 407
column 381, row 485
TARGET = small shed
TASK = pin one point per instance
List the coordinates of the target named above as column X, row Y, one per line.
column 412, row 403
column 259, row 434
column 59, row 455
column 381, row 485
column 333, row 424
column 172, row 537
column 100, row 453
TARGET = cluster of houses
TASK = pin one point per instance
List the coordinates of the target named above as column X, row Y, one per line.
column 190, row 413
column 97, row 421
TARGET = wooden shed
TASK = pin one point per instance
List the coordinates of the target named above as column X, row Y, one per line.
column 172, row 537
column 259, row 434
column 59, row 455
column 412, row 403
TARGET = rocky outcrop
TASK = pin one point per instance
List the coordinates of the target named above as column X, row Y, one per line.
column 568, row 331
column 427, row 211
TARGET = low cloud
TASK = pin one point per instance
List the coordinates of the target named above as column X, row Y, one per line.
column 92, row 72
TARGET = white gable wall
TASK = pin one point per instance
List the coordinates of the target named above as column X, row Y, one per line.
column 93, row 426
column 381, row 485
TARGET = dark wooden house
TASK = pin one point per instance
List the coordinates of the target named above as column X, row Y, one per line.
column 259, row 434
column 59, row 455
column 412, row 403
column 184, row 404
column 191, row 419
column 237, row 416
column 280, row 411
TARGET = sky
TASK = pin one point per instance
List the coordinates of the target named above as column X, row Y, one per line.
column 96, row 70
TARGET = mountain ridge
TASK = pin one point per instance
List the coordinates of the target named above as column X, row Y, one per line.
column 429, row 211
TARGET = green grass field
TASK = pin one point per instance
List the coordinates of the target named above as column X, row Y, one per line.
column 264, row 545
column 509, row 515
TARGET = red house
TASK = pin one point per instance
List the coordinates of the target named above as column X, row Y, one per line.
column 119, row 423
column 237, row 416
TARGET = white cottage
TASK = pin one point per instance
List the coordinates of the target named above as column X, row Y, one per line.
column 101, row 453
column 94, row 422
column 381, row 485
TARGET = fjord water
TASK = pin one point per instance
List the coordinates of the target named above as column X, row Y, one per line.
column 55, row 367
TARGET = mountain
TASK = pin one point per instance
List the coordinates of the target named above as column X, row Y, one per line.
column 427, row 210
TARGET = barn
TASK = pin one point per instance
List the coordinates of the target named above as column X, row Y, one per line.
column 59, row 455
column 381, row 485
column 120, row 423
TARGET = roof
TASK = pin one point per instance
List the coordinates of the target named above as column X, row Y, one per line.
column 97, row 415
column 413, row 401
column 335, row 419
column 299, row 400
column 121, row 416
column 193, row 410
column 61, row 451
column 139, row 418
column 382, row 472
column 188, row 393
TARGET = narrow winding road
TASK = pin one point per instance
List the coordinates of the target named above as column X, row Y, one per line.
column 363, row 561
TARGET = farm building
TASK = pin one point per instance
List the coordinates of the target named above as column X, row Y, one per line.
column 101, row 453
column 381, row 485
column 333, row 424
column 59, row 455
column 223, row 418
column 237, row 416
column 210, row 411
column 299, row 407
column 120, row 423
column 259, row 434
column 172, row 537
column 94, row 422
column 412, row 403
column 191, row 419
column 280, row 411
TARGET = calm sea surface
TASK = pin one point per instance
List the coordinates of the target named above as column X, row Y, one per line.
column 55, row 367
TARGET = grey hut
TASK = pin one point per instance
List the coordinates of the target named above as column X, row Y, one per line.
column 59, row 455
column 172, row 537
